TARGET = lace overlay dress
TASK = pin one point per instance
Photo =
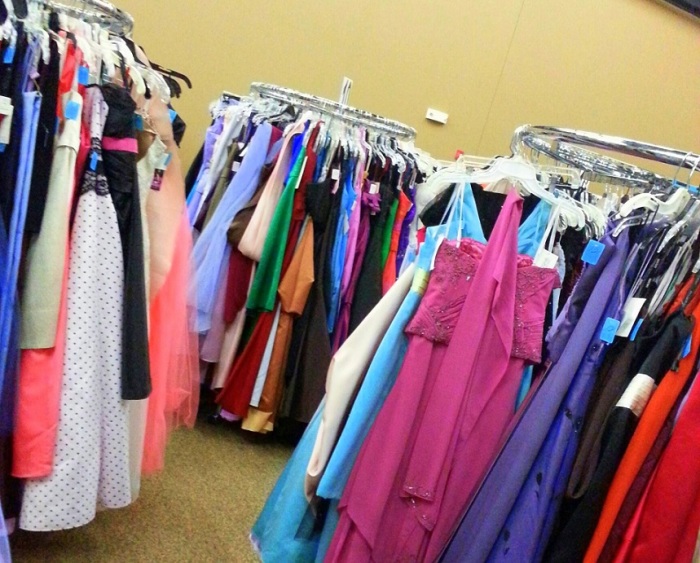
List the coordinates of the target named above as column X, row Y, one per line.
column 91, row 460
column 479, row 322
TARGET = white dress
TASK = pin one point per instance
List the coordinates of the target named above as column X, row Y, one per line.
column 91, row 460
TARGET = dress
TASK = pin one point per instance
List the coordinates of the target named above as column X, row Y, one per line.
column 481, row 526
column 402, row 498
column 91, row 461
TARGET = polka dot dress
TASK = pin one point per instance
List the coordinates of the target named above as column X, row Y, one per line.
column 91, row 460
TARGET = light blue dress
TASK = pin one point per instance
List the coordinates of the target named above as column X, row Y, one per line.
column 286, row 529
column 211, row 251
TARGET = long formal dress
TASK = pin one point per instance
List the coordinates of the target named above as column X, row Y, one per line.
column 91, row 461
column 450, row 403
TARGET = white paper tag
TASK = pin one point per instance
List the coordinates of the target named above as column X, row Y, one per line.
column 374, row 188
column 437, row 247
column 546, row 259
column 346, row 224
column 637, row 394
column 335, row 174
column 629, row 315
column 6, row 110
column 235, row 166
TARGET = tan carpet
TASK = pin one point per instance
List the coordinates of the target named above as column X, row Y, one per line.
column 201, row 508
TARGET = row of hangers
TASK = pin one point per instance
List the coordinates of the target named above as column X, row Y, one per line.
column 101, row 31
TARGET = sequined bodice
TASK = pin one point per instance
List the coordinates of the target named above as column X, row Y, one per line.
column 449, row 285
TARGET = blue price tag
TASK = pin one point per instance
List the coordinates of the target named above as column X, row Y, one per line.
column 173, row 115
column 168, row 158
column 636, row 328
column 83, row 75
column 138, row 122
column 609, row 329
column 93, row 161
column 686, row 347
column 3, row 146
column 593, row 252
column 72, row 110
column 9, row 55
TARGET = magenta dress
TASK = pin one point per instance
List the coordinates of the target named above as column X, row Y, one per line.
column 481, row 319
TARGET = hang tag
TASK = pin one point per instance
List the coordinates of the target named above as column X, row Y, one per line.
column 593, row 252
column 173, row 115
column 374, row 188
column 138, row 122
column 636, row 328
column 83, row 75
column 335, row 174
column 546, row 259
column 157, row 180
column 6, row 110
column 629, row 315
column 235, row 167
column 164, row 161
column 72, row 110
column 9, row 55
column 346, row 224
column 93, row 161
column 609, row 329
column 437, row 247
column 687, row 347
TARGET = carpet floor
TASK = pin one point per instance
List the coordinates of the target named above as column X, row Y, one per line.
column 200, row 509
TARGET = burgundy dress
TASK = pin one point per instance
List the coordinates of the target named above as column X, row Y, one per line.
column 481, row 318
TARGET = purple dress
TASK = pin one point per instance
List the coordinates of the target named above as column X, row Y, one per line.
column 481, row 318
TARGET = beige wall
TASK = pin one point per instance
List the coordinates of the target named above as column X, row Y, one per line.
column 624, row 67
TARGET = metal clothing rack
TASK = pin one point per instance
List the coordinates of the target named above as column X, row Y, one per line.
column 564, row 145
column 329, row 107
column 102, row 12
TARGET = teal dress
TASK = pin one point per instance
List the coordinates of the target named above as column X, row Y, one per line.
column 287, row 529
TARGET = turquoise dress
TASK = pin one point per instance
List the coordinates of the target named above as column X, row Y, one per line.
column 286, row 529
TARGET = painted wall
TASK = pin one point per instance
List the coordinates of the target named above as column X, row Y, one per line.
column 624, row 67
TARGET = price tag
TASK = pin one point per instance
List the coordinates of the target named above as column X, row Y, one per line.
column 235, row 166
column 164, row 161
column 437, row 247
column 609, row 329
column 593, row 252
column 72, row 110
column 546, row 259
column 157, row 180
column 93, row 161
column 83, row 75
column 374, row 188
column 636, row 328
column 687, row 347
column 6, row 110
column 629, row 316
column 9, row 55
column 173, row 115
column 335, row 174
column 138, row 122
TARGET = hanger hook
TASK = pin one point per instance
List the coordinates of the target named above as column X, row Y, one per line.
column 678, row 170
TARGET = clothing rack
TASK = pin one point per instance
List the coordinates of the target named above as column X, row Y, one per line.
column 105, row 13
column 558, row 143
column 329, row 107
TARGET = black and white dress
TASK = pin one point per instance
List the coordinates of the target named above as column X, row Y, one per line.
column 91, row 460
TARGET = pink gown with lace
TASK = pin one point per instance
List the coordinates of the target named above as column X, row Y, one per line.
column 481, row 319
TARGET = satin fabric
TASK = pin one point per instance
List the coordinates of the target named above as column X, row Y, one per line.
column 481, row 526
column 407, row 505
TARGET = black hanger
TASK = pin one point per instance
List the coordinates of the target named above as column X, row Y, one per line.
column 172, row 73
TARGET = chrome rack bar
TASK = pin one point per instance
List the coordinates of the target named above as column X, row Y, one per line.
column 329, row 107
column 564, row 145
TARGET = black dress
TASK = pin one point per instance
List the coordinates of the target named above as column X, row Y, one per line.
column 122, row 178
column 310, row 349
